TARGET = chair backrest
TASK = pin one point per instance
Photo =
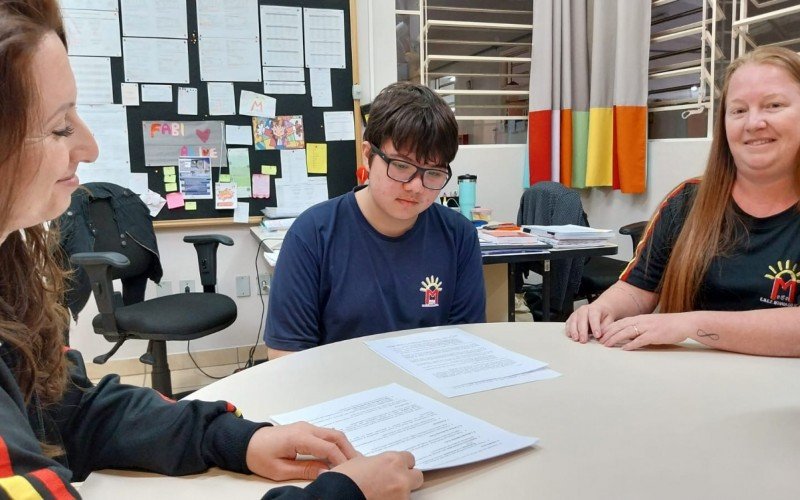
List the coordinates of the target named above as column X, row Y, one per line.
column 92, row 224
column 551, row 203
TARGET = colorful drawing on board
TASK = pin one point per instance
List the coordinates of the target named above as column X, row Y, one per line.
column 281, row 132
column 165, row 141
column 225, row 196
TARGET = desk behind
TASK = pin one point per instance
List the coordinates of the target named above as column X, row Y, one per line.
column 664, row 423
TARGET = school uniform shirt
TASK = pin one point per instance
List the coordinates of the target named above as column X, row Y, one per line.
column 120, row 426
column 758, row 272
column 338, row 278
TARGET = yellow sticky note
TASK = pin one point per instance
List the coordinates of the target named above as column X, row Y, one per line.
column 190, row 205
column 170, row 187
column 317, row 158
column 169, row 171
column 269, row 170
column 170, row 179
column 224, row 177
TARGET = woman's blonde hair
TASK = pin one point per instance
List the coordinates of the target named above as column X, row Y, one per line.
column 32, row 319
column 709, row 229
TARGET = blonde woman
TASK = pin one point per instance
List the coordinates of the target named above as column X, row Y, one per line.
column 720, row 259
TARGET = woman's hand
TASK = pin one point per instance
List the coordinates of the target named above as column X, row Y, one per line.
column 272, row 451
column 648, row 329
column 588, row 319
column 390, row 475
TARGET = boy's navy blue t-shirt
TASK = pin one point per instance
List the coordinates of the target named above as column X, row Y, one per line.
column 337, row 278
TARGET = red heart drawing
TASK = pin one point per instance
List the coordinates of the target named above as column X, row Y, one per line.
column 203, row 134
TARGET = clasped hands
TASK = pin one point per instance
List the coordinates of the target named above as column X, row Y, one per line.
column 272, row 453
column 629, row 333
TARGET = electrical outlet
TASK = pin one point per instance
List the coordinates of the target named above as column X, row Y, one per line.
column 164, row 288
column 186, row 284
column 264, row 280
column 243, row 286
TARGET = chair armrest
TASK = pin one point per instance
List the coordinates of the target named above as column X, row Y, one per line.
column 635, row 231
column 206, row 247
column 209, row 238
column 98, row 267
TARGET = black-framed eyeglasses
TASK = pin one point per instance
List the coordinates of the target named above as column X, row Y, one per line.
column 403, row 171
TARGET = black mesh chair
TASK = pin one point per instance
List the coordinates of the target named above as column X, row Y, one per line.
column 599, row 273
column 126, row 315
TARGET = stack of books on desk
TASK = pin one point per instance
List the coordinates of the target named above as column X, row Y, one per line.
column 572, row 236
column 509, row 240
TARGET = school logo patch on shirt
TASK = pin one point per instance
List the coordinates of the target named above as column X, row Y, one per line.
column 784, row 285
column 431, row 287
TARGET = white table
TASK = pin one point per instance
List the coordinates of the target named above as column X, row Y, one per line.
column 667, row 423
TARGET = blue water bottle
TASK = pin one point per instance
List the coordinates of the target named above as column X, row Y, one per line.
column 466, row 194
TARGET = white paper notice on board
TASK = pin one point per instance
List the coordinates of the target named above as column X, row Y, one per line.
column 282, row 29
column 187, row 101
column 156, row 93
column 393, row 417
column 93, row 79
column 339, row 126
column 323, row 30
column 228, row 19
column 156, row 60
column 154, row 18
column 221, row 100
column 241, row 214
column 229, row 59
column 239, row 134
column 130, row 94
column 254, row 104
column 279, row 74
column 321, row 92
column 92, row 32
column 109, row 126
column 285, row 88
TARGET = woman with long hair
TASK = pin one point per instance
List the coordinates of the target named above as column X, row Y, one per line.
column 719, row 260
column 54, row 425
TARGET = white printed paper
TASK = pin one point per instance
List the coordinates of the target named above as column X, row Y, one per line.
column 92, row 32
column 279, row 74
column 154, row 18
column 393, row 418
column 138, row 183
column 323, row 31
column 93, row 79
column 241, row 214
column 456, row 363
column 89, row 4
column 298, row 196
column 156, row 93
column 130, row 94
column 254, row 104
column 285, row 88
column 282, row 32
column 293, row 165
column 239, row 134
column 339, row 126
column 221, row 100
column 228, row 19
column 187, row 101
column 109, row 126
column 156, row 60
column 229, row 59
column 194, row 177
column 321, row 94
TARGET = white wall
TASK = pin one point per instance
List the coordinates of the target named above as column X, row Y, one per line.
column 669, row 161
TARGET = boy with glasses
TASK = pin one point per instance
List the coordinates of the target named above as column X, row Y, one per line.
column 384, row 257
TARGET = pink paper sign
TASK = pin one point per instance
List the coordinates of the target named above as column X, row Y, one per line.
column 174, row 200
column 260, row 186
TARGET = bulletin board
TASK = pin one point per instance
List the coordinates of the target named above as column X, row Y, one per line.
column 342, row 156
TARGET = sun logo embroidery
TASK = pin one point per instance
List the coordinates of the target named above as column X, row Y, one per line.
column 431, row 288
column 784, row 283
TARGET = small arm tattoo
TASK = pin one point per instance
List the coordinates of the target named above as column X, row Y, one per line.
column 708, row 335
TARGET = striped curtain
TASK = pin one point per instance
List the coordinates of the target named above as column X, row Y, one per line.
column 588, row 106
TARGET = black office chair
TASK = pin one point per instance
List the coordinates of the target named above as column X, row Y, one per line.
column 118, row 255
column 599, row 273
column 551, row 203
